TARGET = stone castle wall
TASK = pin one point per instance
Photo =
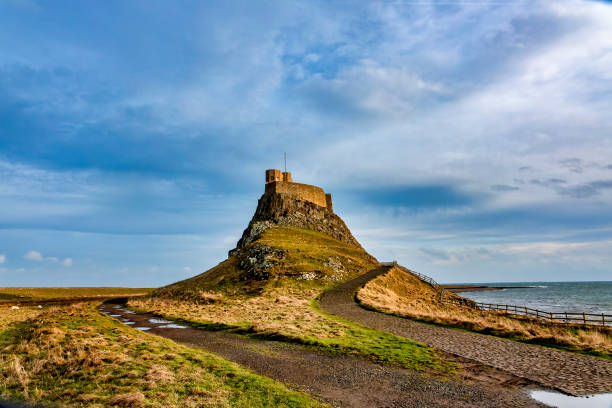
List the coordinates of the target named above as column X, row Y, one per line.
column 300, row 191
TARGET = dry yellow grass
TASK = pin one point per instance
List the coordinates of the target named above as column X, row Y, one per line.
column 280, row 304
column 74, row 356
column 68, row 292
column 279, row 310
column 8, row 315
column 401, row 293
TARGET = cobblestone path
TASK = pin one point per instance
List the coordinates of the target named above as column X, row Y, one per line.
column 567, row 372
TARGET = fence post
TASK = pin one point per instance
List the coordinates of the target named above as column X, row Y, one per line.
column 526, row 312
column 566, row 322
column 603, row 319
column 584, row 318
column 537, row 314
column 551, row 317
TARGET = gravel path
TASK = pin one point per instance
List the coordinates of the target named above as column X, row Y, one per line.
column 342, row 381
column 568, row 372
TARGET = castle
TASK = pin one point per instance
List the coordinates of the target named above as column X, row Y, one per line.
column 282, row 183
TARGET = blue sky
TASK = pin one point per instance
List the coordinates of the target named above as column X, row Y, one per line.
column 469, row 140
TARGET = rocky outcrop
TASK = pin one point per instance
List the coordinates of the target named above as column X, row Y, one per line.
column 276, row 209
column 257, row 260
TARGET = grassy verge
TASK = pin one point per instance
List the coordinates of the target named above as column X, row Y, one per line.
column 69, row 292
column 401, row 294
column 74, row 356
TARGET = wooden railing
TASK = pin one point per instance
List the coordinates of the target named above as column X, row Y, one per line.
column 583, row 318
column 422, row 277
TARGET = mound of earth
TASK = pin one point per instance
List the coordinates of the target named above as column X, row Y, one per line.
column 398, row 290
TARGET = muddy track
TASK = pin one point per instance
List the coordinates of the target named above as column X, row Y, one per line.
column 342, row 381
column 567, row 372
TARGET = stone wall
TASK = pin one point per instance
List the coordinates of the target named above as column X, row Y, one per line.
column 328, row 201
column 300, row 191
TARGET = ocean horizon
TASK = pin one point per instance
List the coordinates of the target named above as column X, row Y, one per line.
column 577, row 296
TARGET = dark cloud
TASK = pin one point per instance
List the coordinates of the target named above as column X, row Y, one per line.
column 579, row 191
column 417, row 197
column 551, row 182
column 573, row 164
column 503, row 187
column 585, row 190
column 525, row 168
column 436, row 253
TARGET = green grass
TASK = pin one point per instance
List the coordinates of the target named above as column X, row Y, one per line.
column 78, row 357
column 67, row 292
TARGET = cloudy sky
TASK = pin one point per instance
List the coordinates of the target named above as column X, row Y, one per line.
column 469, row 140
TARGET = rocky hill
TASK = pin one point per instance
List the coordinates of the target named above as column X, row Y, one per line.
column 274, row 210
column 288, row 241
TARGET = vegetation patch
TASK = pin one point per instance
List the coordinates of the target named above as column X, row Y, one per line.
column 74, row 356
column 400, row 293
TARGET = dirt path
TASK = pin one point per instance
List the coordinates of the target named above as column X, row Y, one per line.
column 342, row 381
column 568, row 372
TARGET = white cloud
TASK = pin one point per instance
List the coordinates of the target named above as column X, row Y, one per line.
column 51, row 259
column 2, row 258
column 67, row 262
column 187, row 269
column 33, row 256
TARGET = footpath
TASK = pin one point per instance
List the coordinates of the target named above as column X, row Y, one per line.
column 574, row 374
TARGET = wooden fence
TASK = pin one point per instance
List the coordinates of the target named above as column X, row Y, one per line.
column 586, row 319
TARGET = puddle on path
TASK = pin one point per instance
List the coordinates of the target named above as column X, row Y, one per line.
column 115, row 315
column 555, row 399
column 129, row 322
column 172, row 326
column 143, row 328
column 158, row 321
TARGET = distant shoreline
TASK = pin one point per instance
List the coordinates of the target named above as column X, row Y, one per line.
column 479, row 288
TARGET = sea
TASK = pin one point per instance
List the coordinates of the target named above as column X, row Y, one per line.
column 588, row 297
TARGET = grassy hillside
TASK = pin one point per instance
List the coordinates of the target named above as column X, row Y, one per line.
column 296, row 258
column 401, row 293
column 74, row 356
column 276, row 300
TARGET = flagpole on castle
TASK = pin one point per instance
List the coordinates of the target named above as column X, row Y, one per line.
column 285, row 162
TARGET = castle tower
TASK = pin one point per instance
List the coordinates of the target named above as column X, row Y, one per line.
column 281, row 182
column 273, row 175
